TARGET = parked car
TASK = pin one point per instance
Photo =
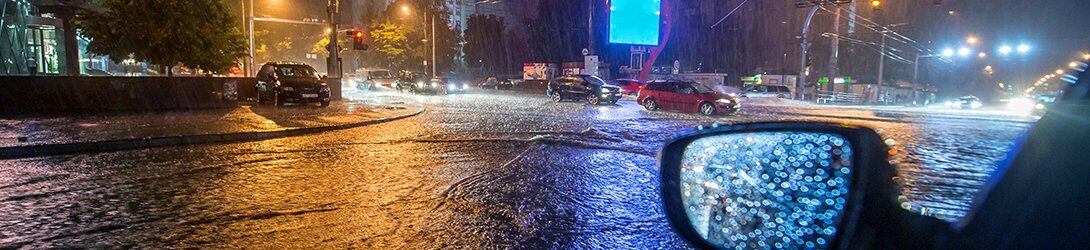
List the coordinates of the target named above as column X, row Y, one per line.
column 438, row 85
column 496, row 83
column 967, row 102
column 587, row 88
column 687, row 97
column 765, row 91
column 628, row 86
column 287, row 82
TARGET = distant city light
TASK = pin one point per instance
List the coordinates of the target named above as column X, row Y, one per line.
column 1023, row 48
column 964, row 51
column 982, row 55
column 1005, row 49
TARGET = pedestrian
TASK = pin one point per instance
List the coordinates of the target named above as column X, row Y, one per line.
column 32, row 66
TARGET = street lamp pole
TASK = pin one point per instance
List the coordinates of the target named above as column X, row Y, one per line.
column 916, row 71
column 334, row 65
column 250, row 37
column 800, row 85
column 433, row 38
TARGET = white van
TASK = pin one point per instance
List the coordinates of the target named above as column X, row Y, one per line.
column 766, row 91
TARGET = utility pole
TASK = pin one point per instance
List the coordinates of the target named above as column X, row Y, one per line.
column 881, row 67
column 590, row 27
column 334, row 66
column 834, row 56
column 250, row 34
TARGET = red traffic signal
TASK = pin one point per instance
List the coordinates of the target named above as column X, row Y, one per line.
column 359, row 39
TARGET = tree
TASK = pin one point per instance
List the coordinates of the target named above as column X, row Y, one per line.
column 391, row 42
column 197, row 33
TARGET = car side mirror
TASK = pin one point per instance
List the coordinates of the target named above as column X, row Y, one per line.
column 784, row 185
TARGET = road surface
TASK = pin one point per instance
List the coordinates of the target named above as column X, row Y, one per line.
column 479, row 170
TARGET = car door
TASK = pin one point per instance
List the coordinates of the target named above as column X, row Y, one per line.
column 670, row 96
column 686, row 98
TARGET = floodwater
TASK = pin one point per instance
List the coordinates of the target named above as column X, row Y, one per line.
column 479, row 170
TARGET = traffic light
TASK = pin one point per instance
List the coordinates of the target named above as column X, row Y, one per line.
column 359, row 39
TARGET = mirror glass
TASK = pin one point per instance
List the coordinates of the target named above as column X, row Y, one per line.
column 766, row 189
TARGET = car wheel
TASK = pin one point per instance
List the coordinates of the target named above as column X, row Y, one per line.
column 593, row 99
column 557, row 97
column 707, row 109
column 650, row 104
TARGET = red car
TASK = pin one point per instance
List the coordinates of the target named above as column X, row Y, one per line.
column 628, row 86
column 686, row 97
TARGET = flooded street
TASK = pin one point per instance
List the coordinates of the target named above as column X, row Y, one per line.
column 482, row 170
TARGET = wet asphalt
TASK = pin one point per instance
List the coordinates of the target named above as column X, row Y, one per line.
column 481, row 170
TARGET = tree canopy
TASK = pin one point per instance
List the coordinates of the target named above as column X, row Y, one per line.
column 197, row 33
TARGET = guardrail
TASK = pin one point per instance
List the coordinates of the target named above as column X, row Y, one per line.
column 827, row 97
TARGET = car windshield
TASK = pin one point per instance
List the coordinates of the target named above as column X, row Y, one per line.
column 594, row 80
column 381, row 74
column 295, row 71
column 496, row 124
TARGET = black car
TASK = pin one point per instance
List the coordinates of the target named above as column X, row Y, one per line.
column 583, row 87
column 438, row 85
column 496, row 83
column 286, row 82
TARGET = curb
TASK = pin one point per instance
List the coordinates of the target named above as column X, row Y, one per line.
column 19, row 152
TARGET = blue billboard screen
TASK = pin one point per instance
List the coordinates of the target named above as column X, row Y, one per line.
column 634, row 22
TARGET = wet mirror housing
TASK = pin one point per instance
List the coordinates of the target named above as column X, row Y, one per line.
column 869, row 214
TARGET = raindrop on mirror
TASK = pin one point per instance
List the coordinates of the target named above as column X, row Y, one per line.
column 767, row 189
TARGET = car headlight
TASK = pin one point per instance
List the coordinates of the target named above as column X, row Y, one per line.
column 732, row 94
column 420, row 84
column 465, row 86
column 434, row 85
column 726, row 101
column 288, row 89
column 1022, row 104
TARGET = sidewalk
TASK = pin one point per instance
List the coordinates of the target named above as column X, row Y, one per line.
column 247, row 118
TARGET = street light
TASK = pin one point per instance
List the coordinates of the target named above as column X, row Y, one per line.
column 948, row 52
column 1059, row 71
column 971, row 40
column 1023, row 48
column 1073, row 64
column 963, row 51
column 1086, row 56
column 982, row 55
column 1005, row 49
column 406, row 10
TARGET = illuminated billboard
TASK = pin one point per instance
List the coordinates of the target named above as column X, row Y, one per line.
column 634, row 22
